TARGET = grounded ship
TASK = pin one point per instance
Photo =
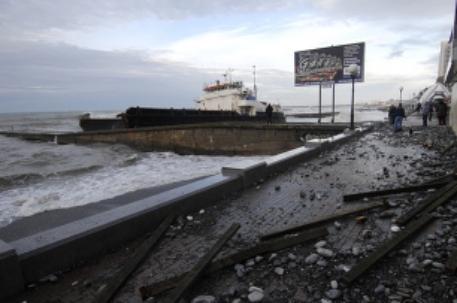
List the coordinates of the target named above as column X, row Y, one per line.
column 222, row 102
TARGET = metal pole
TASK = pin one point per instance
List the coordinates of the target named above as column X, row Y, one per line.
column 320, row 101
column 352, row 104
column 255, row 87
column 333, row 100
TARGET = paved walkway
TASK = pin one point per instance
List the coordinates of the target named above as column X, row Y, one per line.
column 379, row 160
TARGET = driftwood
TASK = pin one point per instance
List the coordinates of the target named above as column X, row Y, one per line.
column 263, row 248
column 372, row 258
column 200, row 267
column 119, row 277
column 299, row 227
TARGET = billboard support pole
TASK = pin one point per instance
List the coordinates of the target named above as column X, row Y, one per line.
column 333, row 102
column 352, row 103
column 320, row 100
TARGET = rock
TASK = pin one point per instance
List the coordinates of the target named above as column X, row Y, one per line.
column 322, row 263
column 395, row 229
column 337, row 225
column 325, row 252
column 380, row 289
column 438, row 265
column 279, row 271
column 355, row 251
column 333, row 294
column 204, row 299
column 258, row 259
column 320, row 244
column 255, row 296
column 311, row 259
column 334, row 284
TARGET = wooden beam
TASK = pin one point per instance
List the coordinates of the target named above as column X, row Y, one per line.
column 439, row 197
column 372, row 258
column 451, row 263
column 262, row 248
column 119, row 277
column 191, row 277
column 421, row 187
column 298, row 227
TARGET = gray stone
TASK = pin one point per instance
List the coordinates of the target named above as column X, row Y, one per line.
column 380, row 289
column 333, row 293
column 255, row 296
column 204, row 299
column 325, row 252
column 279, row 271
column 311, row 259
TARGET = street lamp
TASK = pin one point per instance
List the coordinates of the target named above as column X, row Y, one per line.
column 401, row 91
column 354, row 71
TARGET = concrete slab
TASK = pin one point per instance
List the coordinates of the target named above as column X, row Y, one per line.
column 61, row 247
column 250, row 171
column 11, row 280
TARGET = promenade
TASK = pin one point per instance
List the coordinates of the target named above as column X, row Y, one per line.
column 414, row 271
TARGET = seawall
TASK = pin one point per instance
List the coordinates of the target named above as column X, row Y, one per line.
column 202, row 139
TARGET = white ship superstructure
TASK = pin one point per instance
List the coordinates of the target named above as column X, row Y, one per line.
column 232, row 96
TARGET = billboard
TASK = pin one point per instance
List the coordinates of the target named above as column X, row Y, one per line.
column 329, row 64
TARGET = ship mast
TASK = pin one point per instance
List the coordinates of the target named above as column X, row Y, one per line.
column 255, row 86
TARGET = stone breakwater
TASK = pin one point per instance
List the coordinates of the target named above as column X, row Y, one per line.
column 310, row 272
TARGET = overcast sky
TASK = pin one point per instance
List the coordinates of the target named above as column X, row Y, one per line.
column 58, row 55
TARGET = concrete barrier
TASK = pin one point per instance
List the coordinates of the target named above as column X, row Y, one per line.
column 46, row 252
column 10, row 271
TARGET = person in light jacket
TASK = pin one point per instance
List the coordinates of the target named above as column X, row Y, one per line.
column 425, row 112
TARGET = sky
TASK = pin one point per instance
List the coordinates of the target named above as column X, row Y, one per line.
column 95, row 55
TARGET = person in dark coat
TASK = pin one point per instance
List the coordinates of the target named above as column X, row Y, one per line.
column 269, row 111
column 399, row 116
column 425, row 112
column 392, row 110
column 430, row 112
column 441, row 112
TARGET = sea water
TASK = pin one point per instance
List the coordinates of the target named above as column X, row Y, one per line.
column 40, row 176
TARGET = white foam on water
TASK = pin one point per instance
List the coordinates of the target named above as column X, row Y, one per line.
column 69, row 191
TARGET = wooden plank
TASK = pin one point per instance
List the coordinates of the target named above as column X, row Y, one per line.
column 262, row 248
column 119, row 277
column 445, row 178
column 431, row 203
column 191, row 277
column 421, row 187
column 298, row 227
column 372, row 258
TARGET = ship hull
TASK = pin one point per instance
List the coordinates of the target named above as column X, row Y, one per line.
column 137, row 117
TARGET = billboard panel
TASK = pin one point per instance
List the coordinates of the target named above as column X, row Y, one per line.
column 329, row 64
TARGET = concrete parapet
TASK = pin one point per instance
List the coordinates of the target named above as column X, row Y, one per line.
column 250, row 171
column 58, row 248
column 11, row 280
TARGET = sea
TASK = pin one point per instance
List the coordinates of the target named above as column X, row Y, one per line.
column 41, row 176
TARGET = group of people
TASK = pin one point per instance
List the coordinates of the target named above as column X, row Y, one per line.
column 441, row 111
column 397, row 114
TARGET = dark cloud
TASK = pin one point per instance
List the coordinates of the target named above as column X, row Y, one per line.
column 69, row 77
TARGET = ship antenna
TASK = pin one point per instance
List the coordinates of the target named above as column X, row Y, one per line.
column 255, row 86
column 229, row 72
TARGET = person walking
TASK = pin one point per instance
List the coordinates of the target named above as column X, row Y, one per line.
column 399, row 116
column 269, row 111
column 392, row 110
column 425, row 113
column 441, row 112
column 430, row 111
